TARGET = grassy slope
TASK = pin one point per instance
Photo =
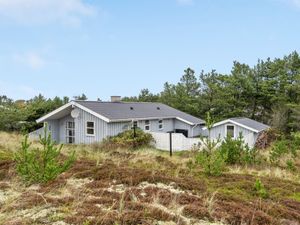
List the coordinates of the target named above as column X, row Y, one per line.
column 144, row 187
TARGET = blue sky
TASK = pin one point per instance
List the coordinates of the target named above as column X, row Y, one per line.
column 103, row 48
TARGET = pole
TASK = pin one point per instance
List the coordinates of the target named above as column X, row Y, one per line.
column 134, row 132
column 170, row 135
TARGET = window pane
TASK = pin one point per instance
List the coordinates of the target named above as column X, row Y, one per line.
column 90, row 124
column 147, row 122
column 230, row 131
column 90, row 131
column 147, row 127
column 71, row 133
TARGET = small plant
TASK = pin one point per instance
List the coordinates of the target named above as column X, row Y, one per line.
column 87, row 222
column 213, row 164
column 190, row 165
column 37, row 165
column 260, row 190
column 210, row 158
column 290, row 165
column 279, row 149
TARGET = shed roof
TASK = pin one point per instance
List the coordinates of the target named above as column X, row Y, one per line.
column 246, row 123
column 250, row 123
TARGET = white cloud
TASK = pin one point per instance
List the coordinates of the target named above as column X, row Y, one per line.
column 69, row 12
column 30, row 59
column 185, row 2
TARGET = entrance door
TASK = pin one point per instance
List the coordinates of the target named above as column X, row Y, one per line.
column 182, row 131
column 70, row 132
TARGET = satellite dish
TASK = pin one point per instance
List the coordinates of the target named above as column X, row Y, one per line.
column 75, row 113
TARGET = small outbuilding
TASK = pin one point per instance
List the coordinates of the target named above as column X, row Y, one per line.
column 250, row 129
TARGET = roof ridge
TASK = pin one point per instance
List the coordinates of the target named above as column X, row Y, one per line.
column 95, row 101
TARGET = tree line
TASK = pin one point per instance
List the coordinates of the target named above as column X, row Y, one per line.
column 21, row 115
column 268, row 92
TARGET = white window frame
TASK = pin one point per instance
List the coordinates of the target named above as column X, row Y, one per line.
column 231, row 125
column 86, row 128
column 147, row 125
column 160, row 123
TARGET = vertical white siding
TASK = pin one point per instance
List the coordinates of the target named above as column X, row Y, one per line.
column 81, row 136
column 104, row 129
column 62, row 128
column 53, row 126
column 219, row 131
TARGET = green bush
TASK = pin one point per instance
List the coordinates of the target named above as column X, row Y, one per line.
column 284, row 147
column 235, row 151
column 127, row 139
column 260, row 189
column 37, row 165
column 279, row 148
column 213, row 164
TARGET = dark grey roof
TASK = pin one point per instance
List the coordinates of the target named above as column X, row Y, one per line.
column 250, row 123
column 137, row 110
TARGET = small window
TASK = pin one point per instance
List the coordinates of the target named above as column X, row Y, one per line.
column 147, row 125
column 160, row 124
column 230, row 131
column 90, row 128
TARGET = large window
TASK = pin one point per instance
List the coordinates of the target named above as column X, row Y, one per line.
column 90, row 128
column 230, row 131
column 160, row 124
column 147, row 125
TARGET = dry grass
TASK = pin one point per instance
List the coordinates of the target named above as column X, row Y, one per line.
column 144, row 187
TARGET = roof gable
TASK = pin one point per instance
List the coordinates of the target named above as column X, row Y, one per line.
column 246, row 123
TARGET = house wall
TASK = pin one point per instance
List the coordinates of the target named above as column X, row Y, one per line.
column 62, row 128
column 81, row 136
column 220, row 131
column 58, row 128
column 104, row 129
column 53, row 126
column 168, row 125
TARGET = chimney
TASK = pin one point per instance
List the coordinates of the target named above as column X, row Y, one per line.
column 115, row 98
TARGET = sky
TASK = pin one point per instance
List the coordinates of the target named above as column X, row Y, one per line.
column 103, row 47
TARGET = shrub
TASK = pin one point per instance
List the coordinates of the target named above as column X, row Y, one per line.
column 210, row 158
column 279, row 149
column 285, row 147
column 260, row 189
column 235, row 151
column 127, row 139
column 213, row 164
column 37, row 165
